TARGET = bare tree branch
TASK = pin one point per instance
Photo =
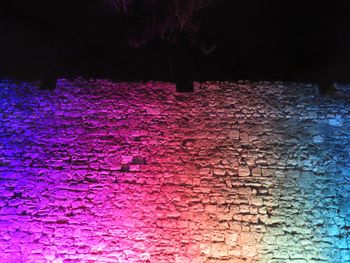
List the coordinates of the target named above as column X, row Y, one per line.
column 119, row 6
column 161, row 18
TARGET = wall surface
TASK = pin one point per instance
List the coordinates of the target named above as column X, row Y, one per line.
column 97, row 171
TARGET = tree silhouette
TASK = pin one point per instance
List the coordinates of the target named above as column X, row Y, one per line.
column 175, row 23
column 165, row 19
column 119, row 6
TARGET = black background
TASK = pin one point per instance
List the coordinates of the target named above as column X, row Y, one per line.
column 257, row 40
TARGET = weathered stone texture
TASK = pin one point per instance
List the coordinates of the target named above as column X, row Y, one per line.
column 134, row 172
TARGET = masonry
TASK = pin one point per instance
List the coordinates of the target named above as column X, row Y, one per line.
column 97, row 171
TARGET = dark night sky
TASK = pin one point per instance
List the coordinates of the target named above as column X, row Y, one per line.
column 255, row 39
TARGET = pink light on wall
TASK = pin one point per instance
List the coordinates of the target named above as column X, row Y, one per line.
column 105, row 172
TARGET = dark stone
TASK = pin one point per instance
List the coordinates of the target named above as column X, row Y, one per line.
column 326, row 88
column 62, row 221
column 125, row 168
column 17, row 195
column 184, row 86
column 138, row 160
column 49, row 83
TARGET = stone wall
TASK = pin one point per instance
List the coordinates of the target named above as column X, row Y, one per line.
column 134, row 172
